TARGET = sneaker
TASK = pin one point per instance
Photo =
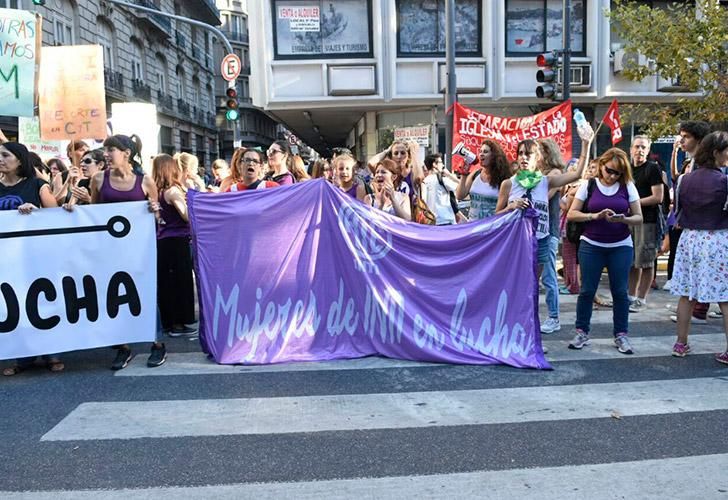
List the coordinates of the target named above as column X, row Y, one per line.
column 722, row 358
column 637, row 305
column 580, row 340
column 551, row 325
column 185, row 331
column 123, row 356
column 158, row 356
column 680, row 350
column 622, row 343
column 667, row 285
column 671, row 307
column 693, row 320
column 715, row 315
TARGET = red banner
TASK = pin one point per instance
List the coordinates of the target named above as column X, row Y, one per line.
column 473, row 128
column 613, row 122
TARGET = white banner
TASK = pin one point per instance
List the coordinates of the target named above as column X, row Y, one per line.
column 77, row 280
column 421, row 135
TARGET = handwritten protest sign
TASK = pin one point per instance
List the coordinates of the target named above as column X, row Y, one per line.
column 473, row 127
column 18, row 51
column 72, row 100
column 29, row 134
column 421, row 135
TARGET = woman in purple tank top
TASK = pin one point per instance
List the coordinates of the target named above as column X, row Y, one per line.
column 608, row 205
column 175, row 289
column 124, row 180
column 343, row 166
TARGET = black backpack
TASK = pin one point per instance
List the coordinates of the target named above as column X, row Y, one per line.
column 574, row 230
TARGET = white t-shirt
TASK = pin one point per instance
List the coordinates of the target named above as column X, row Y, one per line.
column 483, row 199
column 438, row 198
column 632, row 195
column 539, row 201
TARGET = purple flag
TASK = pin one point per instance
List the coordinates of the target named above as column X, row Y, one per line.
column 306, row 273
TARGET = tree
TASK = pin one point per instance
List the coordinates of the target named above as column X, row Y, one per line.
column 687, row 42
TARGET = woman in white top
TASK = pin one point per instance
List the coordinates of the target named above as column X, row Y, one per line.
column 483, row 184
column 386, row 198
column 437, row 188
column 529, row 187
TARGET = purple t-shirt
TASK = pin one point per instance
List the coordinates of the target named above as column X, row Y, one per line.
column 616, row 197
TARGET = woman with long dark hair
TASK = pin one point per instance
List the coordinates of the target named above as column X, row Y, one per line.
column 124, row 180
column 280, row 163
column 483, row 184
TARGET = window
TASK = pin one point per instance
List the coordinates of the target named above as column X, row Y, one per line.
column 9, row 4
column 161, row 73
column 180, row 82
column 314, row 29
column 535, row 26
column 105, row 36
column 63, row 33
column 421, row 28
column 137, row 61
column 617, row 41
column 195, row 97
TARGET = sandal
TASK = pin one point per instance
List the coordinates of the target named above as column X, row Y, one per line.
column 56, row 366
column 11, row 371
column 601, row 301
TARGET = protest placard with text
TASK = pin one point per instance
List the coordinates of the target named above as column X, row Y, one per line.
column 18, row 53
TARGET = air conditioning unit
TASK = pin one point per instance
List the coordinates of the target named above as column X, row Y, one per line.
column 624, row 60
column 580, row 80
column 670, row 85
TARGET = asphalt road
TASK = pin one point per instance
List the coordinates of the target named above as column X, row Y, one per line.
column 600, row 424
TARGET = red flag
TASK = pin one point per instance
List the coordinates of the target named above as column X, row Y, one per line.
column 612, row 121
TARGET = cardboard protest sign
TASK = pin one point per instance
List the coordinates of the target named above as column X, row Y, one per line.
column 72, row 99
column 472, row 128
column 29, row 134
column 421, row 135
column 19, row 43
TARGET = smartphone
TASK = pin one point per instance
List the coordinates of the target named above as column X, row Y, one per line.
column 618, row 216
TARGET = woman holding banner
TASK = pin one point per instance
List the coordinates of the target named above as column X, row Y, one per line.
column 386, row 197
column 125, row 180
column 483, row 184
column 21, row 190
column 529, row 187
column 608, row 205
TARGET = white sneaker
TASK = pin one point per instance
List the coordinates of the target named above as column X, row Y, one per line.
column 637, row 305
column 715, row 315
column 551, row 325
column 667, row 285
column 693, row 320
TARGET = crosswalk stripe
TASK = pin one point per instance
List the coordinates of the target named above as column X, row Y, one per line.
column 699, row 477
column 280, row 415
column 195, row 363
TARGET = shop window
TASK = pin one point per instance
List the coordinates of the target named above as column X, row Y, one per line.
column 421, row 28
column 535, row 26
column 313, row 29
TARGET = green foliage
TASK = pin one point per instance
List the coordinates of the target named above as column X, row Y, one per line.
column 688, row 42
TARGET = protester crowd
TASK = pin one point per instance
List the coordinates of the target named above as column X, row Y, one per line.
column 616, row 212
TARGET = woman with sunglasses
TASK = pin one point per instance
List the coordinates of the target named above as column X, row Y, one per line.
column 483, row 184
column 280, row 163
column 608, row 205
column 77, row 188
column 250, row 174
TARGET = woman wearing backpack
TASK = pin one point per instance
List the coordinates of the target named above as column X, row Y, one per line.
column 608, row 205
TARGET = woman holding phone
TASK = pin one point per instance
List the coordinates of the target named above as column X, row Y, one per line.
column 609, row 204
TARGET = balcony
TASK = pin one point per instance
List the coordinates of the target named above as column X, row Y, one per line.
column 141, row 90
column 183, row 108
column 163, row 25
column 114, row 81
column 205, row 11
column 236, row 36
column 165, row 101
column 180, row 40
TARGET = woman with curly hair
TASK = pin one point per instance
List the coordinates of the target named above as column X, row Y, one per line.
column 483, row 184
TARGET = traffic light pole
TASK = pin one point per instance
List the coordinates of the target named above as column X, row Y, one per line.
column 451, row 88
column 566, row 53
column 219, row 34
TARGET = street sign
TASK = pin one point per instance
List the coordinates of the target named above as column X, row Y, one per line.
column 230, row 67
column 292, row 140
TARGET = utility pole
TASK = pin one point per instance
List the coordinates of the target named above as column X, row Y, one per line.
column 219, row 34
column 566, row 53
column 451, row 89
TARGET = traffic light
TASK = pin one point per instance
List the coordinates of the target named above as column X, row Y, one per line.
column 547, row 74
column 231, row 104
column 39, row 2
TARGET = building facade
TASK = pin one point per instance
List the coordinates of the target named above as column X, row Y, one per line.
column 347, row 72
column 147, row 58
column 256, row 128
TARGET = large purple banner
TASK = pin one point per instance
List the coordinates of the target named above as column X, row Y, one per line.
column 305, row 273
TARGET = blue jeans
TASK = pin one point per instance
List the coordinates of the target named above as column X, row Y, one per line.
column 547, row 248
column 592, row 260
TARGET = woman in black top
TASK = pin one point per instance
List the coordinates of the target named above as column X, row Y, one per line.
column 21, row 190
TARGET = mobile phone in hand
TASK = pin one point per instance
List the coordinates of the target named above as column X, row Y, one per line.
column 618, row 216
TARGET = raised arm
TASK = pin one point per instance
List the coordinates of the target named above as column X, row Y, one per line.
column 556, row 181
column 465, row 183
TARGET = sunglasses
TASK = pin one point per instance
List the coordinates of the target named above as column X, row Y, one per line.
column 251, row 161
column 399, row 153
column 87, row 161
column 271, row 152
column 613, row 172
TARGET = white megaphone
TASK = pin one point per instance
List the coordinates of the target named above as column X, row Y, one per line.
column 461, row 150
